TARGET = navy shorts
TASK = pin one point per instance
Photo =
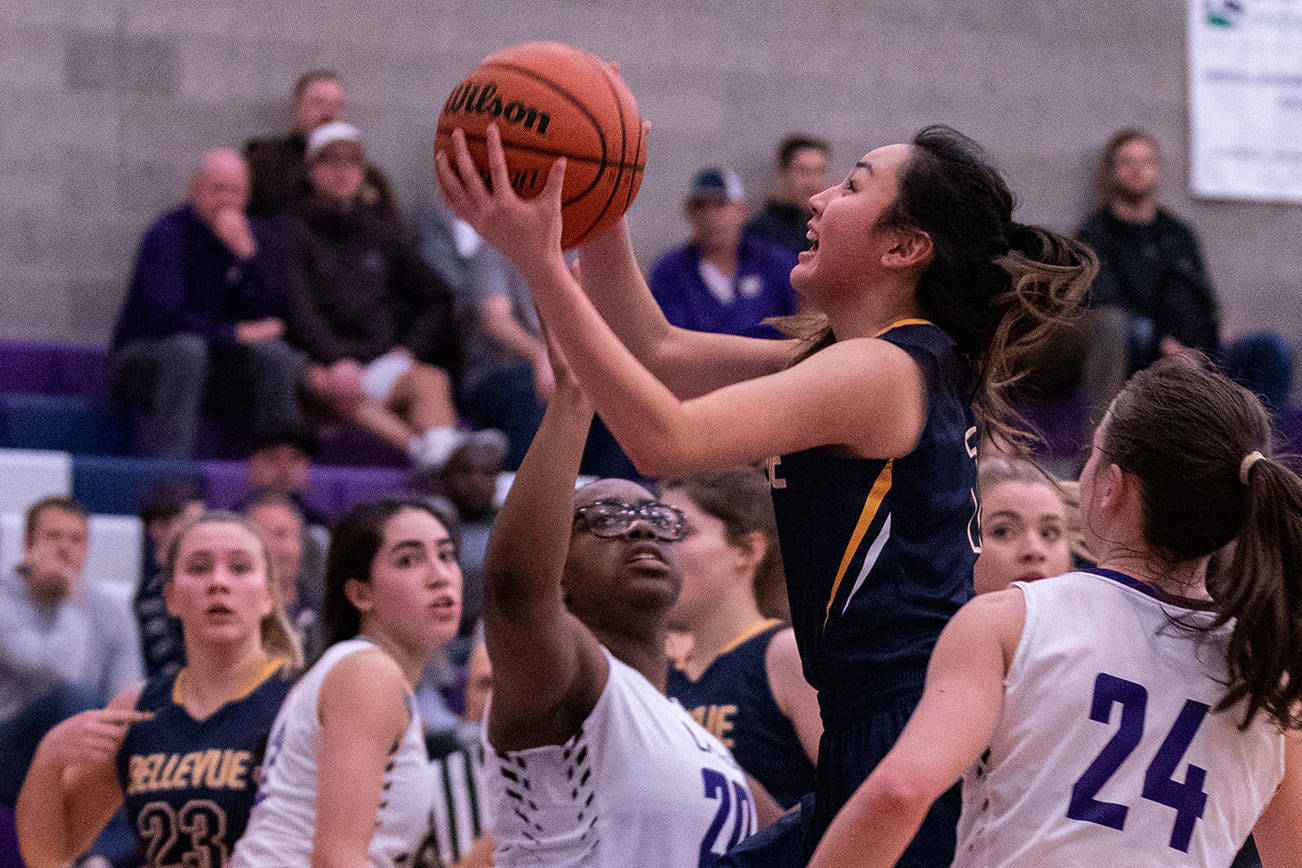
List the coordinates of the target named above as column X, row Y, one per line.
column 849, row 751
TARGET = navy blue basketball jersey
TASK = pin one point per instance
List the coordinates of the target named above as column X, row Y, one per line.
column 879, row 553
column 187, row 784
column 732, row 700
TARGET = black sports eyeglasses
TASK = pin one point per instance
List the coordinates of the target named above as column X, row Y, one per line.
column 612, row 518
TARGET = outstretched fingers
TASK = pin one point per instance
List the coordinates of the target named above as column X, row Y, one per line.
column 551, row 191
column 454, row 191
column 497, row 171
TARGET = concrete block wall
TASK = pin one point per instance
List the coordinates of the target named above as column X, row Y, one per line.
column 108, row 102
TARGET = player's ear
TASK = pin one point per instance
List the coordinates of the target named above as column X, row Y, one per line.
column 912, row 248
column 360, row 594
column 1110, row 485
column 752, row 548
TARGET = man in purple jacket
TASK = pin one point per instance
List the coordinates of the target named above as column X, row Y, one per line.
column 719, row 281
column 202, row 320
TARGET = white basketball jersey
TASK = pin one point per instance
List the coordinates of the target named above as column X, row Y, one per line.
column 284, row 814
column 641, row 784
column 1109, row 751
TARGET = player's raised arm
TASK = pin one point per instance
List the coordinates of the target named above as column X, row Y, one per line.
column 548, row 669
column 689, row 362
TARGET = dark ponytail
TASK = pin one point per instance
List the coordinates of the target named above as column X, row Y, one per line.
column 1185, row 433
column 998, row 287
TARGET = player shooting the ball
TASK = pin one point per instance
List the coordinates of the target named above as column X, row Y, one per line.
column 928, row 295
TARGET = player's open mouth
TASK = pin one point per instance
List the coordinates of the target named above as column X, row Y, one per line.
column 443, row 606
column 647, row 554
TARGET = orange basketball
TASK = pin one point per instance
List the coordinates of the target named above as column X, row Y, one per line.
column 550, row 100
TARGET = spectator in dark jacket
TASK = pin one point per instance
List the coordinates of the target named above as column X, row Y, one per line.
column 202, row 318
column 365, row 308
column 799, row 171
column 1153, row 297
column 276, row 163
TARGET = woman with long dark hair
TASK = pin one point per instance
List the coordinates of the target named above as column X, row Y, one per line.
column 928, row 294
column 1142, row 712
column 346, row 779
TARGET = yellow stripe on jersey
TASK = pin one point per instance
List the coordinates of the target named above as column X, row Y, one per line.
column 750, row 632
column 903, row 322
column 870, row 508
column 244, row 691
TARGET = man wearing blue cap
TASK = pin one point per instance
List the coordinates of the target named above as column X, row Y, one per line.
column 718, row 281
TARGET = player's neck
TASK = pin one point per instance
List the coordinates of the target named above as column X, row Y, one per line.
column 213, row 677
column 728, row 620
column 1185, row 579
column 643, row 651
column 871, row 312
column 410, row 661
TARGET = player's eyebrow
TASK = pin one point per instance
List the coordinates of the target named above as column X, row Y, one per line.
column 865, row 165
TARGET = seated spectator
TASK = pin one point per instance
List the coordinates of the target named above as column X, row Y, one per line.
column 282, row 464
column 363, row 306
column 277, row 165
column 64, row 647
column 720, row 281
column 1153, row 297
column 166, row 507
column 299, row 593
column 201, row 319
column 506, row 377
column 799, row 171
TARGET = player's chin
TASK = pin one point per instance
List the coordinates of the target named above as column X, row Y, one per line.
column 802, row 274
column 654, row 591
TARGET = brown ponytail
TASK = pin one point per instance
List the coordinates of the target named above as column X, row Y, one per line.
column 1184, row 433
column 1262, row 590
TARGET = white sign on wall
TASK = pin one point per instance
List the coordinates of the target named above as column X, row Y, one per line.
column 1245, row 99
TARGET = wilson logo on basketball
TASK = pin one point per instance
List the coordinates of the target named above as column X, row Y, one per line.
column 472, row 98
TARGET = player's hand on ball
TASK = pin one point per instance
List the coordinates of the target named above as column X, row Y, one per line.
column 526, row 231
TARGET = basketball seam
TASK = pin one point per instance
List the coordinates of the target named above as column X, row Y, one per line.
column 546, row 152
column 601, row 133
column 623, row 152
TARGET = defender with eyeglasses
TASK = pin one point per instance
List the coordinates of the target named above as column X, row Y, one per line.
column 612, row 518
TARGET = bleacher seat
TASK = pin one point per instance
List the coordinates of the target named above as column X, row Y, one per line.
column 115, row 484
column 26, row 476
column 53, row 368
column 112, row 560
column 55, row 396
column 333, row 490
column 71, row 423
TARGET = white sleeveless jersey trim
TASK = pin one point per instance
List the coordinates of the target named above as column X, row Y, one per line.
column 641, row 784
column 1094, row 758
column 283, row 821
